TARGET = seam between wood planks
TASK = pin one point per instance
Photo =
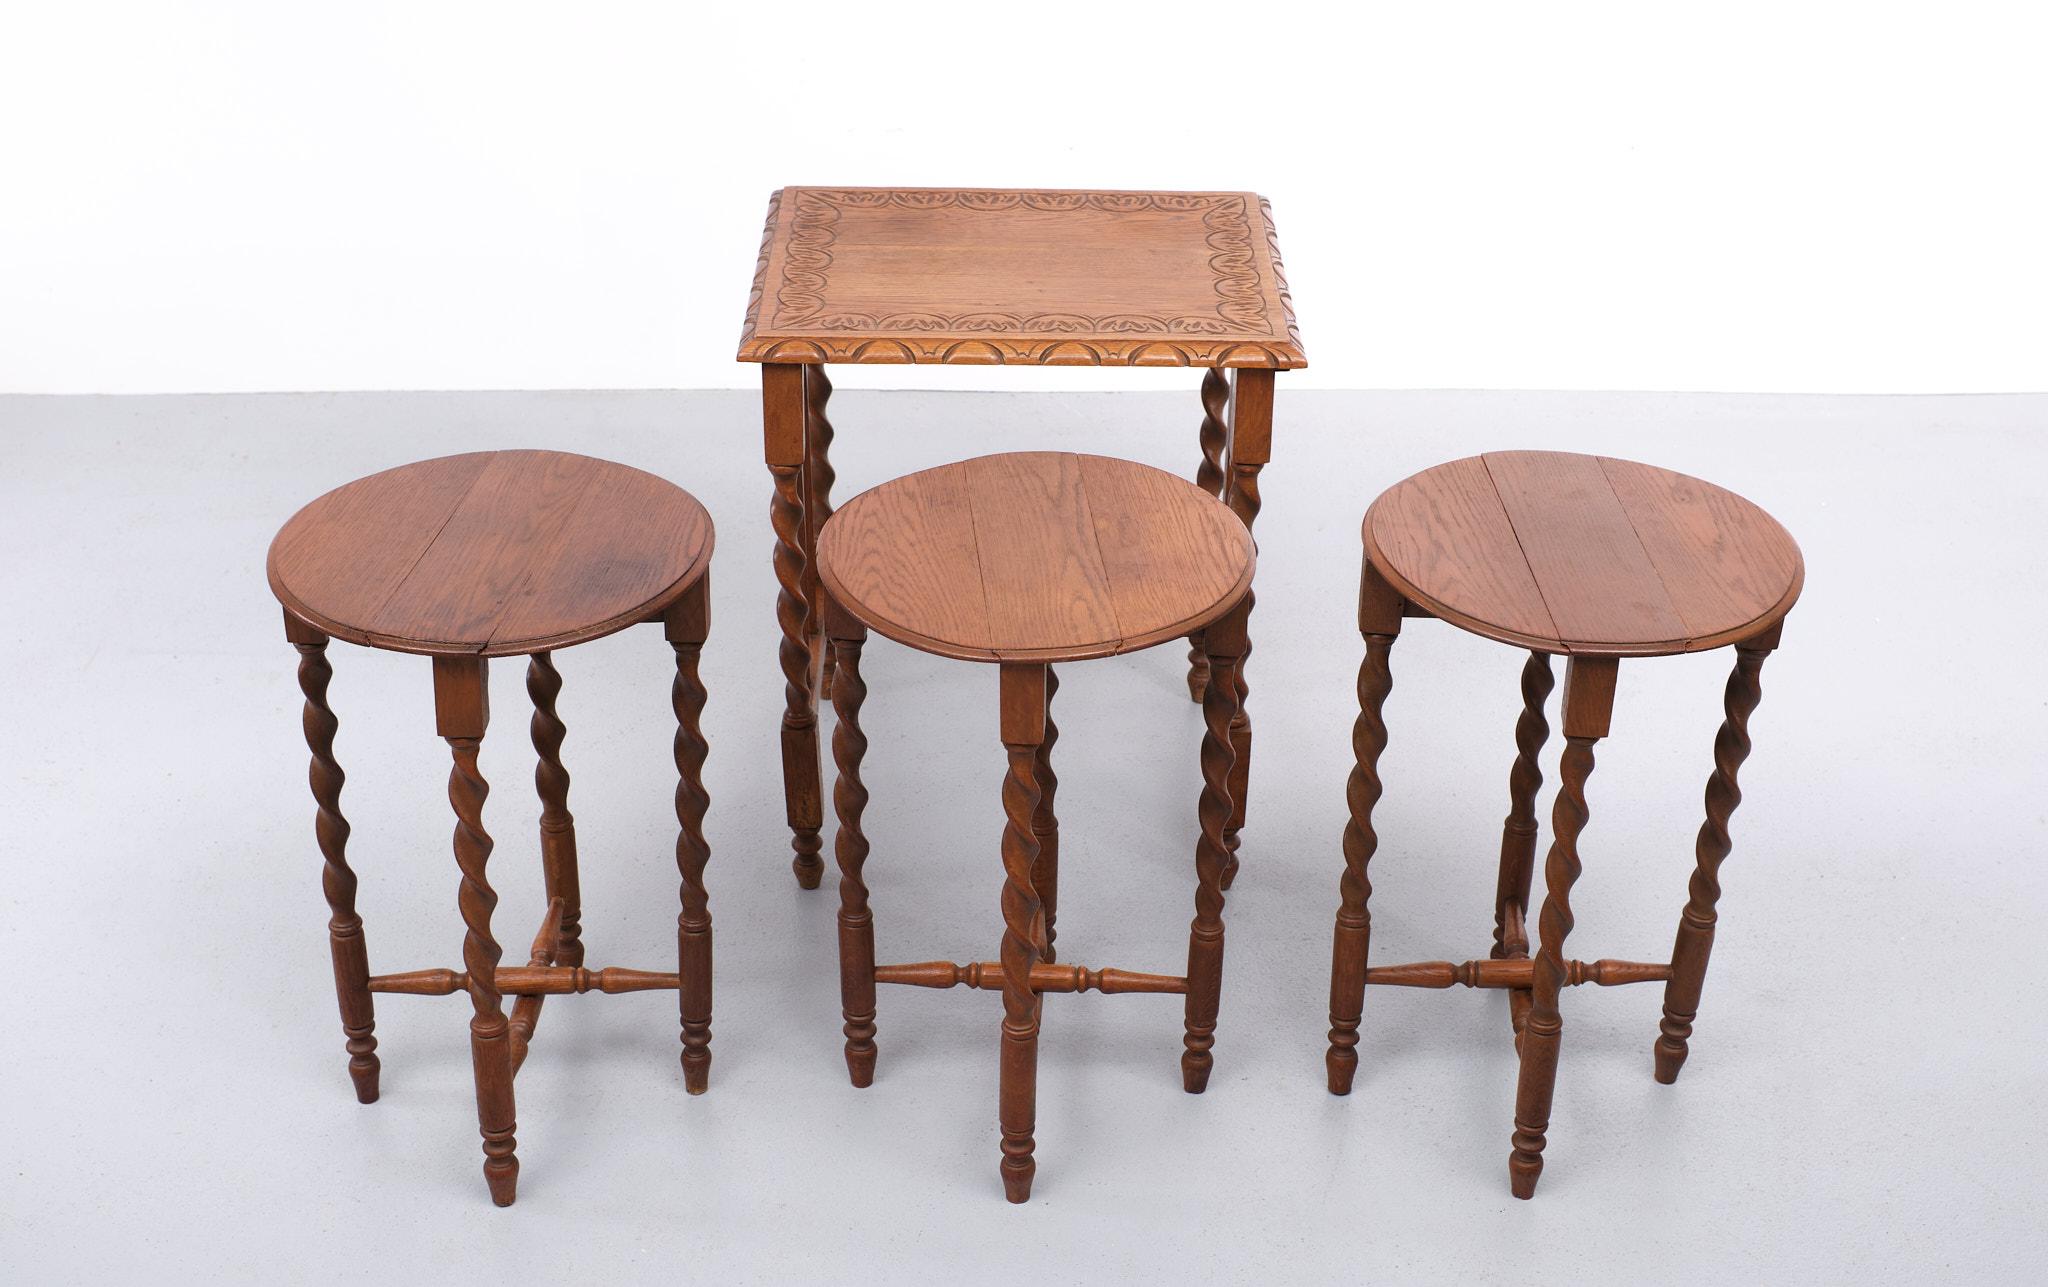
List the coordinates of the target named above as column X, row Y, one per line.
column 1549, row 615
column 1095, row 544
column 980, row 567
column 1648, row 557
column 414, row 566
column 505, row 609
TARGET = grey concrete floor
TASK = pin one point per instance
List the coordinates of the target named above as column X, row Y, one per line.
column 1864, row 1097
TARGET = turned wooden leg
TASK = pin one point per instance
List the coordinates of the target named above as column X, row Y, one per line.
column 1209, row 477
column 1518, row 833
column 557, row 826
column 1225, row 644
column 1023, row 727
column 819, row 476
column 1379, row 621
column 1696, row 924
column 1251, row 446
column 462, row 710
column 1588, row 705
column 1045, row 823
column 784, row 416
column 687, row 625
column 850, row 846
column 338, row 880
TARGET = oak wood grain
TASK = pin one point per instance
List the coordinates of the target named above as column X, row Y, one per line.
column 985, row 276
column 353, row 541
column 1040, row 562
column 1685, row 526
column 1594, row 574
column 1452, row 536
column 1584, row 555
column 490, row 554
column 1035, row 556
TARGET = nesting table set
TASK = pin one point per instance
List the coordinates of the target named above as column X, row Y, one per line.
column 1025, row 561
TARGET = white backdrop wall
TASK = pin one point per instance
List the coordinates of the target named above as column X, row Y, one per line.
column 1781, row 196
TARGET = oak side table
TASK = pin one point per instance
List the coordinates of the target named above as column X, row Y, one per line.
column 982, row 277
column 1595, row 560
column 1095, row 557
column 463, row 559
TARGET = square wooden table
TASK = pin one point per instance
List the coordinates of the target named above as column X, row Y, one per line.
column 983, row 277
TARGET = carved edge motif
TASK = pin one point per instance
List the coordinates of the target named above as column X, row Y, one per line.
column 1280, row 284
column 759, row 289
column 1237, row 283
column 999, row 352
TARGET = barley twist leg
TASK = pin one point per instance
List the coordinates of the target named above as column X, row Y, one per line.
column 850, row 846
column 1518, row 832
column 1023, row 727
column 1209, row 477
column 800, row 771
column 1045, row 823
column 1245, row 501
column 1543, row 1031
column 1696, row 924
column 1353, row 940
column 557, row 826
column 338, row 880
column 1225, row 643
column 818, row 505
column 693, row 922
column 490, row 1043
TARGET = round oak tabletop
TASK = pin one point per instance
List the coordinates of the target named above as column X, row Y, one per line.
column 1584, row 555
column 1035, row 556
column 494, row 554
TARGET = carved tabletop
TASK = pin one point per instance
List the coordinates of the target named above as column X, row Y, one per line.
column 988, row 276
